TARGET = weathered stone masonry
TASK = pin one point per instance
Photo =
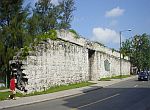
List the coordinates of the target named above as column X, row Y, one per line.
column 69, row 60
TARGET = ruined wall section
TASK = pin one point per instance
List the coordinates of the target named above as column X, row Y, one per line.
column 100, row 69
column 56, row 63
column 70, row 60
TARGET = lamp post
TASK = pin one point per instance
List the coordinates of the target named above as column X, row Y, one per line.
column 120, row 51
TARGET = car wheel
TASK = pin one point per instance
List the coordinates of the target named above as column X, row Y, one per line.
column 139, row 79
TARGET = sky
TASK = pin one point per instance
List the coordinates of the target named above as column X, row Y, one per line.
column 102, row 20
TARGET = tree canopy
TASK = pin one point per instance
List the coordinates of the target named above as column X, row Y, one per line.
column 138, row 49
column 20, row 25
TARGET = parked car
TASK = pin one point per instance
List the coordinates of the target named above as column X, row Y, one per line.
column 144, row 75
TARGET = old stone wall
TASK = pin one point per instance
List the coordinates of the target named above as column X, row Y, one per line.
column 99, row 68
column 70, row 60
column 56, row 63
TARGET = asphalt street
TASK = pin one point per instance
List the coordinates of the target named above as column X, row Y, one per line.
column 126, row 95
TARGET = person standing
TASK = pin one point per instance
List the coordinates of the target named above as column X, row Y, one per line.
column 12, row 88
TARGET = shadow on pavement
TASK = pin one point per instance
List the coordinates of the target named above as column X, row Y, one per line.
column 92, row 88
column 112, row 98
column 126, row 95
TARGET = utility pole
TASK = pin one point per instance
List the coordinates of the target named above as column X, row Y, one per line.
column 120, row 51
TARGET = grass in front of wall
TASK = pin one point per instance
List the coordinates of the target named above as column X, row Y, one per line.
column 114, row 77
column 61, row 88
column 3, row 88
column 105, row 79
column 120, row 76
column 4, row 95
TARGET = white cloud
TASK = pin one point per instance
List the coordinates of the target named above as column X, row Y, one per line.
column 115, row 12
column 105, row 35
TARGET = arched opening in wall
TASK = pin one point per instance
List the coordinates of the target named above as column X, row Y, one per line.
column 107, row 65
column 91, row 62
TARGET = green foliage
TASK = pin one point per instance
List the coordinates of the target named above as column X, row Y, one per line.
column 44, row 12
column 76, row 35
column 25, row 52
column 12, row 30
column 113, row 50
column 125, row 50
column 33, row 25
column 138, row 49
column 62, row 87
column 120, row 76
column 20, row 26
column 114, row 77
column 3, row 88
column 4, row 95
column 50, row 16
column 105, row 79
column 67, row 7
column 52, row 34
column 18, row 29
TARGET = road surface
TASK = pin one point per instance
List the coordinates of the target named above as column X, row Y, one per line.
column 126, row 95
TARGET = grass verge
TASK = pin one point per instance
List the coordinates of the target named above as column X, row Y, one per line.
column 2, row 88
column 105, row 79
column 4, row 95
column 114, row 77
column 120, row 76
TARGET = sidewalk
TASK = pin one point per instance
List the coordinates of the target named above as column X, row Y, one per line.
column 5, row 90
column 56, row 95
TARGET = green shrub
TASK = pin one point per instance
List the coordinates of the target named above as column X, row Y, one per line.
column 25, row 52
column 75, row 33
column 52, row 34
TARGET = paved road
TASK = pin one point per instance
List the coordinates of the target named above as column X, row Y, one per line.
column 126, row 95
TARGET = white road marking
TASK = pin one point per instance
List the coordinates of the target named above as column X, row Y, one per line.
column 98, row 101
column 136, row 86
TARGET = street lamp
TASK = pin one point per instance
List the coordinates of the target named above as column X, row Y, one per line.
column 120, row 51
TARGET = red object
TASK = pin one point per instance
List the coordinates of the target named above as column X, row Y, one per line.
column 12, row 84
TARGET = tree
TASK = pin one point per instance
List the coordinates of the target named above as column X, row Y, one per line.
column 50, row 16
column 45, row 12
column 18, row 29
column 126, row 48
column 138, row 49
column 8, row 10
column 67, row 8
column 12, row 32
column 12, row 19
